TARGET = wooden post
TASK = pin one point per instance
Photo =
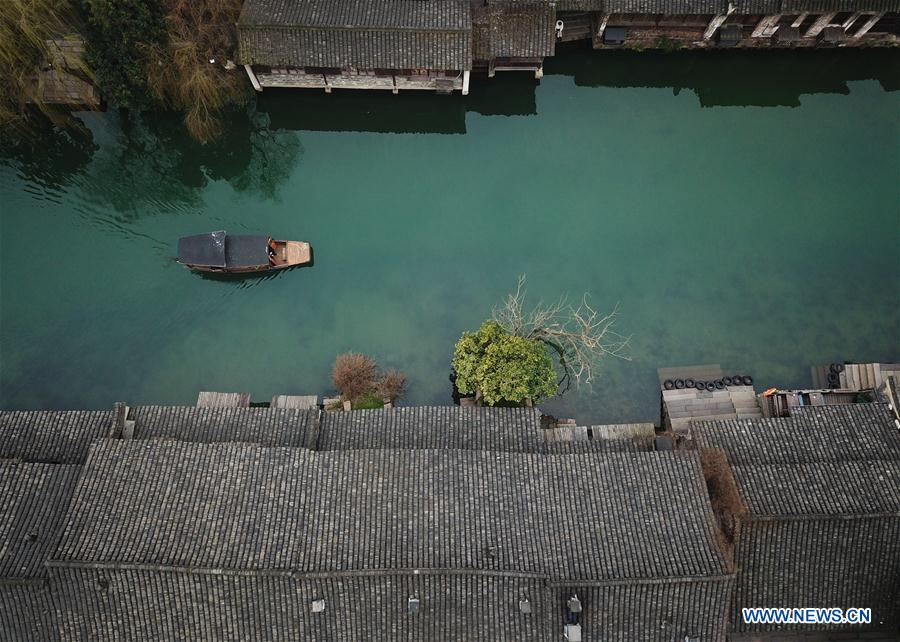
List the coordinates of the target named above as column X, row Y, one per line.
column 253, row 79
column 465, row 87
column 766, row 26
column 602, row 26
column 849, row 21
column 539, row 72
column 871, row 22
column 820, row 23
column 800, row 19
column 717, row 22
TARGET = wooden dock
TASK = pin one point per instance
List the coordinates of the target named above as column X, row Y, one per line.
column 681, row 406
column 223, row 400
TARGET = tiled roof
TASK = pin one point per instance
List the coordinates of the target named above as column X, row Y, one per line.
column 364, row 34
column 33, row 502
column 835, row 561
column 823, row 6
column 265, row 426
column 522, row 29
column 503, row 429
column 51, row 436
column 607, row 517
column 670, row 7
column 834, row 488
column 816, row 434
column 428, row 15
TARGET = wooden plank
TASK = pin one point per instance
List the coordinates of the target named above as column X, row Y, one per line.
column 876, row 374
column 299, row 402
column 870, row 376
column 223, row 399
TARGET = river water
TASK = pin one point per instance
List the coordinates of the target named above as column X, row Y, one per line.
column 741, row 208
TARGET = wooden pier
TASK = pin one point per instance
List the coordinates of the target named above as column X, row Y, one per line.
column 681, row 406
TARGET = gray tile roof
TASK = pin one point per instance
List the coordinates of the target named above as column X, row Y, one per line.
column 265, row 426
column 824, row 6
column 33, row 502
column 671, row 7
column 821, row 489
column 835, row 562
column 51, row 436
column 365, row 34
column 429, row 15
column 814, row 434
column 522, row 29
column 503, row 429
column 247, row 508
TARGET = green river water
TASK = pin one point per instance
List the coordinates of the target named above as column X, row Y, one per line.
column 741, row 208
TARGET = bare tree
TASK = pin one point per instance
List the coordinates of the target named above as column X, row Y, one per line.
column 579, row 335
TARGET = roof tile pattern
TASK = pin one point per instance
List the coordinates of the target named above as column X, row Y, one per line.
column 52, row 436
column 852, row 432
column 265, row 426
column 247, row 508
column 503, row 429
column 33, row 502
column 522, row 29
column 809, row 563
column 835, row 488
column 362, row 34
column 104, row 605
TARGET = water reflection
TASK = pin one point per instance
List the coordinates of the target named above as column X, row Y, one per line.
column 46, row 155
column 731, row 78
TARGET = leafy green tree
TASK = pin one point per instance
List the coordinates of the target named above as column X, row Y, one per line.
column 502, row 367
column 121, row 34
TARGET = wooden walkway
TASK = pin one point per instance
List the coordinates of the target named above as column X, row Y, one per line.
column 298, row 402
column 223, row 400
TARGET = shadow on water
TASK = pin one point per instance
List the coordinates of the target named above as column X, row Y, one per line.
column 158, row 167
column 731, row 78
column 45, row 154
column 250, row 279
column 410, row 112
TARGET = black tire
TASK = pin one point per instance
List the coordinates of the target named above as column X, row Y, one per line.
column 836, row 368
column 833, row 378
column 736, row 380
column 679, row 384
column 689, row 383
column 700, row 385
column 668, row 384
column 748, row 380
column 726, row 380
column 720, row 384
column 710, row 386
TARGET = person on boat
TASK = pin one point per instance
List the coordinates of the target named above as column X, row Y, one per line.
column 271, row 247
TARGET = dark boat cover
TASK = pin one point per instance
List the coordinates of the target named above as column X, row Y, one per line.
column 219, row 249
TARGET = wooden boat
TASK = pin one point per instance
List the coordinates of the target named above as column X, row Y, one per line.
column 223, row 253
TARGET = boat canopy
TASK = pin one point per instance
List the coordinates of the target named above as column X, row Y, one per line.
column 218, row 249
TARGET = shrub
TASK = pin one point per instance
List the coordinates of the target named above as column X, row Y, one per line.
column 353, row 375
column 502, row 367
column 390, row 385
column 181, row 74
column 120, row 35
column 368, row 401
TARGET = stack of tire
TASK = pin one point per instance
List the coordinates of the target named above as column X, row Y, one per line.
column 834, row 375
column 710, row 386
